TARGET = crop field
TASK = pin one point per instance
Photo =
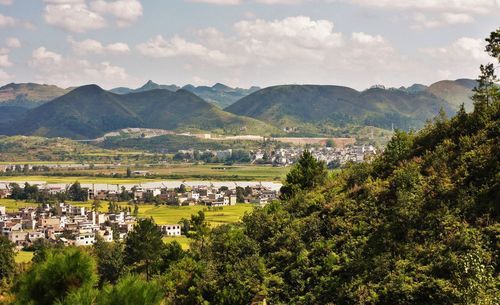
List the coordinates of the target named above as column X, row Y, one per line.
column 164, row 214
column 12, row 205
column 183, row 240
column 24, row 256
column 72, row 179
column 215, row 172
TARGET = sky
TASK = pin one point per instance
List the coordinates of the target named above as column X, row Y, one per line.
column 355, row 43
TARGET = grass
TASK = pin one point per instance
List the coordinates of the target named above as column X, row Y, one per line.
column 162, row 172
column 12, row 205
column 23, row 257
column 183, row 240
column 72, row 179
column 170, row 214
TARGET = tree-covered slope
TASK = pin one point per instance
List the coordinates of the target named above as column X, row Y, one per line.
column 293, row 105
column 89, row 112
column 418, row 225
column 454, row 92
column 85, row 112
column 219, row 94
column 29, row 95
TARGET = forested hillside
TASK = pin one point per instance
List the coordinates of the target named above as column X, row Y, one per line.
column 313, row 108
column 89, row 112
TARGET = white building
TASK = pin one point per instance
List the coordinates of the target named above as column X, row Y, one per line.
column 171, row 229
column 85, row 239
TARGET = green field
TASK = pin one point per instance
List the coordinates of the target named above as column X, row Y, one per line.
column 183, row 240
column 215, row 172
column 72, row 179
column 170, row 214
column 12, row 206
column 23, row 256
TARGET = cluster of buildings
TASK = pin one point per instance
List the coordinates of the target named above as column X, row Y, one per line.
column 207, row 195
column 339, row 155
column 63, row 223
column 80, row 226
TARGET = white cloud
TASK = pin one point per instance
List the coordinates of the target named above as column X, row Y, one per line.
column 51, row 67
column 158, row 47
column 477, row 6
column 7, row 21
column 90, row 46
column 460, row 49
column 364, row 38
column 44, row 57
column 4, row 76
column 6, row 2
column 118, row 47
column 81, row 15
column 218, row 2
column 13, row 42
column 72, row 16
column 126, row 12
column 422, row 21
column 4, row 61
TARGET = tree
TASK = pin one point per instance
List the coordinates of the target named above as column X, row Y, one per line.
column 124, row 195
column 7, row 263
column 199, row 228
column 96, row 205
column 144, row 246
column 131, row 290
column 110, row 261
column 51, row 280
column 77, row 193
column 129, row 172
column 16, row 192
column 305, row 175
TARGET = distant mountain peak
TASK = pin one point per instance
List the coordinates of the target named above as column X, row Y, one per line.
column 92, row 88
column 149, row 85
column 219, row 86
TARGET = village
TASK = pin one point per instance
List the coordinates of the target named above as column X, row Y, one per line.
column 282, row 156
column 68, row 224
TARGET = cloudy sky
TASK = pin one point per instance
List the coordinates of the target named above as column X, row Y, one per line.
column 355, row 43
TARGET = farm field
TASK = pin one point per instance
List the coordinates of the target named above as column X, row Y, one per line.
column 12, row 205
column 216, row 172
column 72, row 179
column 170, row 214
column 23, row 257
column 183, row 240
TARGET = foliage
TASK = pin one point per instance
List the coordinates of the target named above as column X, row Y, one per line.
column 144, row 246
column 7, row 263
column 51, row 280
column 306, row 174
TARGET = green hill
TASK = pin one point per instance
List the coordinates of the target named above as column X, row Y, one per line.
column 296, row 105
column 454, row 92
column 89, row 112
column 29, row 95
column 219, row 94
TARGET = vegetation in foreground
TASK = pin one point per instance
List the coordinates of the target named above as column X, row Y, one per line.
column 419, row 225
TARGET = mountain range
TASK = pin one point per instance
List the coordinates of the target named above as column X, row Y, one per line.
column 29, row 95
column 219, row 94
column 90, row 111
column 314, row 107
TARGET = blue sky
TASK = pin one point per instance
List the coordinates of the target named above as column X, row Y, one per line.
column 354, row 43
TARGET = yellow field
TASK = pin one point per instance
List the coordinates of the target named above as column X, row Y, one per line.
column 11, row 205
column 183, row 240
column 23, row 256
